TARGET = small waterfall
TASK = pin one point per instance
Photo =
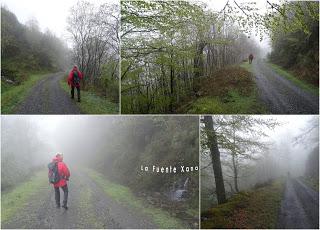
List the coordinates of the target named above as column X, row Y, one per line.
column 181, row 193
column 186, row 183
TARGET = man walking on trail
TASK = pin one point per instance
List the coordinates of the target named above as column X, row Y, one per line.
column 63, row 177
column 74, row 81
column 250, row 58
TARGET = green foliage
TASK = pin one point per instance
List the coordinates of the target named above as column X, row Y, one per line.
column 111, row 82
column 14, row 200
column 253, row 209
column 233, row 103
column 12, row 95
column 123, row 194
column 92, row 103
column 294, row 29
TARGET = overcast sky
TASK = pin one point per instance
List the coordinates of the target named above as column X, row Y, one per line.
column 51, row 14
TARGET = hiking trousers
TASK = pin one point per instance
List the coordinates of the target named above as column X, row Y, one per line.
column 65, row 195
column 78, row 92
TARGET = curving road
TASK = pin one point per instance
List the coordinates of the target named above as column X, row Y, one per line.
column 299, row 207
column 89, row 207
column 280, row 95
column 47, row 97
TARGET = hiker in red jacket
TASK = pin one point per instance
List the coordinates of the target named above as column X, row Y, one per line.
column 250, row 58
column 64, row 175
column 74, row 81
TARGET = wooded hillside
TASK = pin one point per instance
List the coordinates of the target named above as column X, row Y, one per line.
column 25, row 48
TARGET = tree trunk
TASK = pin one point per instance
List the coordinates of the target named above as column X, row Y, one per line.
column 215, row 157
column 198, row 66
column 235, row 172
column 234, row 162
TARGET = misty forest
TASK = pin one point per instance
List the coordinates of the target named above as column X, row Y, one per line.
column 259, row 172
column 189, row 57
column 35, row 62
column 107, row 188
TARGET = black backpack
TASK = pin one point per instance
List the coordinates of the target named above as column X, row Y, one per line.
column 76, row 78
column 53, row 174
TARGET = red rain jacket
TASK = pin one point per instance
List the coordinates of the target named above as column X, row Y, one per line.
column 70, row 77
column 63, row 172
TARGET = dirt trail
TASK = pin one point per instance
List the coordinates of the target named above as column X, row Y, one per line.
column 299, row 207
column 47, row 97
column 89, row 207
column 280, row 95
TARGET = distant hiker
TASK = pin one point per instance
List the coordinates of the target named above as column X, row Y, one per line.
column 74, row 81
column 250, row 58
column 59, row 175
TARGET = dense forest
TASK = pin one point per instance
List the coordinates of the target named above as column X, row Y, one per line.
column 175, row 52
column 294, row 30
column 244, row 158
column 116, row 147
column 25, row 49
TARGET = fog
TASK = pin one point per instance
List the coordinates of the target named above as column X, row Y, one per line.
column 127, row 150
column 262, row 8
column 51, row 15
column 291, row 148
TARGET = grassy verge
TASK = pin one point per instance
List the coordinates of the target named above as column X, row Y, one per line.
column 311, row 182
column 254, row 209
column 14, row 200
column 12, row 95
column 92, row 103
column 229, row 91
column 122, row 194
column 306, row 86
column 247, row 66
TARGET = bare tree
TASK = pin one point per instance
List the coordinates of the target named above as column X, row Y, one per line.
column 94, row 32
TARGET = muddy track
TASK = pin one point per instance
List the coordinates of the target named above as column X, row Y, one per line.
column 89, row 207
column 299, row 207
column 47, row 97
column 280, row 95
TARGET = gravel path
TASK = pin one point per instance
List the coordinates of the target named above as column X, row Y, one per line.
column 89, row 207
column 300, row 206
column 47, row 97
column 280, row 95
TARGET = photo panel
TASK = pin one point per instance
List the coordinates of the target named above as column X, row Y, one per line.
column 116, row 172
column 259, row 172
column 220, row 57
column 64, row 61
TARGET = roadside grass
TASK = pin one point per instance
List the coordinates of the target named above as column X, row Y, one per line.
column 229, row 91
column 92, row 103
column 255, row 209
column 123, row 195
column 13, row 95
column 247, row 66
column 311, row 182
column 302, row 84
column 13, row 201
